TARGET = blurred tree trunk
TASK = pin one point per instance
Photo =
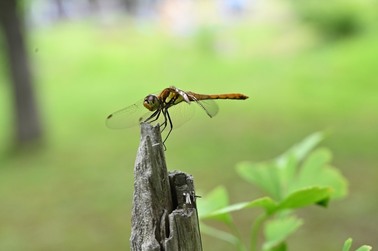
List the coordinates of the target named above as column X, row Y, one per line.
column 28, row 126
column 94, row 6
column 61, row 10
column 130, row 6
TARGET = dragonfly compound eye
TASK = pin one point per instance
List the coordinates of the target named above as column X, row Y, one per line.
column 151, row 102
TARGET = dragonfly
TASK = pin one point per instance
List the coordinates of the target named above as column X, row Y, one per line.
column 156, row 108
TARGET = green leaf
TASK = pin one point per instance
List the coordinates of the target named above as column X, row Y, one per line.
column 267, row 203
column 219, row 234
column 364, row 248
column 302, row 149
column 287, row 172
column 315, row 171
column 347, row 244
column 299, row 151
column 264, row 175
column 323, row 203
column 216, row 199
column 305, row 197
column 281, row 247
column 276, row 177
column 278, row 230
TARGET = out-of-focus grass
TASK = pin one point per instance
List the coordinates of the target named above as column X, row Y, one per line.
column 76, row 192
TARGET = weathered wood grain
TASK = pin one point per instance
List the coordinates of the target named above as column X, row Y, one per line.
column 164, row 214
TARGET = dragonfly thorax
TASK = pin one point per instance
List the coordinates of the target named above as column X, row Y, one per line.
column 151, row 102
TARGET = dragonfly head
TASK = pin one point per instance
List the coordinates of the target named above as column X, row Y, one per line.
column 151, row 102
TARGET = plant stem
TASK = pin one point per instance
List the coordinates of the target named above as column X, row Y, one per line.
column 255, row 230
column 234, row 229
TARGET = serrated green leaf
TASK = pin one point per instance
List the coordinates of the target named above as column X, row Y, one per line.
column 305, row 197
column 278, row 230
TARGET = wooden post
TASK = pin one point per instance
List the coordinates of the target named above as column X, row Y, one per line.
column 164, row 215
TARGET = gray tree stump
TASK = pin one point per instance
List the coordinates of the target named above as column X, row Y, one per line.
column 164, row 214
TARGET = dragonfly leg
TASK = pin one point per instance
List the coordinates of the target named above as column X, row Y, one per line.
column 168, row 117
column 165, row 123
column 155, row 116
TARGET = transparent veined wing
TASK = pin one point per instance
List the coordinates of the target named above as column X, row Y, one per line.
column 128, row 117
column 209, row 106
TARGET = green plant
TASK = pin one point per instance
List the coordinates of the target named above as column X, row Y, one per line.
column 348, row 244
column 300, row 177
column 335, row 18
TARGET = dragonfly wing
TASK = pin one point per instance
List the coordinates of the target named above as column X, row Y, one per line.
column 181, row 113
column 128, row 117
column 209, row 106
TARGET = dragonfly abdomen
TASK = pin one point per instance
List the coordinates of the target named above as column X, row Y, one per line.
column 238, row 96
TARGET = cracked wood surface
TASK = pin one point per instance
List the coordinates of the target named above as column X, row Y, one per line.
column 164, row 214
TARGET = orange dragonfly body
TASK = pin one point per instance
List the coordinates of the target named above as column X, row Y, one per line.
column 159, row 108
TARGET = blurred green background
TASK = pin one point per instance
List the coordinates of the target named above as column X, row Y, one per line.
column 306, row 65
